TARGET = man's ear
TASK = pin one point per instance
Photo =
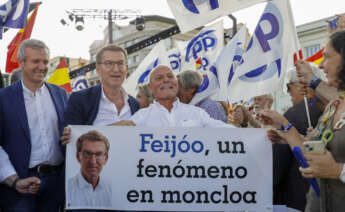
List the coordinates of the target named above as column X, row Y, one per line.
column 77, row 156
column 21, row 63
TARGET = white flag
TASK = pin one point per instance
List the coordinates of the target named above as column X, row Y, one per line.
column 227, row 62
column 200, row 54
column 266, row 58
column 191, row 14
column 80, row 82
column 157, row 56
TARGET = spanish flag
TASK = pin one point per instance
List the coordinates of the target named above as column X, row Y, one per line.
column 23, row 34
column 317, row 57
column 60, row 77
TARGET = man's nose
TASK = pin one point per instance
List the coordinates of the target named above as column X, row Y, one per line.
column 42, row 65
column 93, row 159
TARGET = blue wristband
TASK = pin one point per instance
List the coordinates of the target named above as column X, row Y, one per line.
column 314, row 82
column 287, row 128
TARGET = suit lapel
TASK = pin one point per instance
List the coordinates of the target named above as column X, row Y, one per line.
column 19, row 107
column 95, row 98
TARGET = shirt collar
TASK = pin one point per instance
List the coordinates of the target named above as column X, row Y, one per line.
column 175, row 104
column 124, row 94
column 84, row 184
column 39, row 91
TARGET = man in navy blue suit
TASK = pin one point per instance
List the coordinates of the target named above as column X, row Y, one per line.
column 31, row 122
column 108, row 102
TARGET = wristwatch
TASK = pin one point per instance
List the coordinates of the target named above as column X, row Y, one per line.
column 342, row 174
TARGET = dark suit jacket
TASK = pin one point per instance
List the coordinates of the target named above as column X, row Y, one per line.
column 14, row 129
column 83, row 106
column 290, row 187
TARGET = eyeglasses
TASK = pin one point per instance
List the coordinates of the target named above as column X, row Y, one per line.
column 88, row 155
column 110, row 64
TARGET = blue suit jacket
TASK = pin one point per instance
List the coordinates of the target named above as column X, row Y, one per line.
column 14, row 129
column 83, row 106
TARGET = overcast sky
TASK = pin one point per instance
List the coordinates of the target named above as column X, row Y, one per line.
column 66, row 41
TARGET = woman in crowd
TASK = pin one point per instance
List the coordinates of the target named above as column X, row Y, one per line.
column 327, row 167
column 144, row 96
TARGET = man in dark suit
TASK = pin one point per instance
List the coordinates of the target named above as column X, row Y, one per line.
column 108, row 102
column 31, row 120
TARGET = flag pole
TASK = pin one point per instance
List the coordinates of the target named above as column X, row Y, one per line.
column 298, row 58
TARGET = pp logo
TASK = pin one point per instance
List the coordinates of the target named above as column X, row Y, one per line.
column 175, row 62
column 267, row 39
column 191, row 5
column 200, row 44
column 144, row 77
column 80, row 85
column 236, row 61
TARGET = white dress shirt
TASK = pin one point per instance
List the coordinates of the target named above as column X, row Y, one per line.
column 44, row 134
column 107, row 111
column 80, row 193
column 181, row 115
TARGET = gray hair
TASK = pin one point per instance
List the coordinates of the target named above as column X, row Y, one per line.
column 147, row 92
column 32, row 43
column 189, row 79
column 16, row 75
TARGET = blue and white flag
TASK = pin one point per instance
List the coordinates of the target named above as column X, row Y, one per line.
column 13, row 14
column 191, row 14
column 200, row 54
column 157, row 56
column 227, row 62
column 79, row 82
column 268, row 54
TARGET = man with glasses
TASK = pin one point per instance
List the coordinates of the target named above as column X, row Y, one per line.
column 108, row 102
column 87, row 189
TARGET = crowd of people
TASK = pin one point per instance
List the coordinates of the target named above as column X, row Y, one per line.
column 34, row 115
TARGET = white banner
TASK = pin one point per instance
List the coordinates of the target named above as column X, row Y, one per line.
column 191, row 14
column 169, row 169
column 268, row 53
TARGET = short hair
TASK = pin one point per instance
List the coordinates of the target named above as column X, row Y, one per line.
column 112, row 48
column 144, row 88
column 16, row 75
column 32, row 43
column 189, row 79
column 92, row 136
column 157, row 67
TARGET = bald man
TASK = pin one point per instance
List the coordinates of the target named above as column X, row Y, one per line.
column 167, row 110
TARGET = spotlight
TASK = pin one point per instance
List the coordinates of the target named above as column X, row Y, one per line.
column 79, row 23
column 63, row 22
column 140, row 23
column 71, row 17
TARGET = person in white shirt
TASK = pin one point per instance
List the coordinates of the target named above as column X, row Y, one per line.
column 31, row 157
column 167, row 110
column 87, row 189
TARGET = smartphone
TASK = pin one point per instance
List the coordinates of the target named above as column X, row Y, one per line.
column 317, row 147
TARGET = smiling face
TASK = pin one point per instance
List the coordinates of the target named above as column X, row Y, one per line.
column 163, row 83
column 92, row 157
column 112, row 69
column 331, row 65
column 34, row 66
